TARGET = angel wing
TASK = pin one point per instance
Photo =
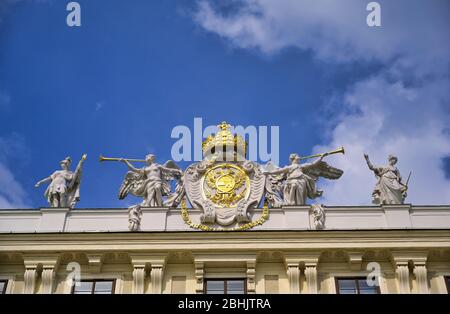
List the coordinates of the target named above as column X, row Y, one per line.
column 322, row 169
column 174, row 198
column 132, row 183
column 169, row 171
column 170, row 175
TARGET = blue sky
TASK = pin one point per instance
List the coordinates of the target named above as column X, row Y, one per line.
column 118, row 84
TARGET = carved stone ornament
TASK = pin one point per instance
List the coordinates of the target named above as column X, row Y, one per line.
column 318, row 216
column 224, row 185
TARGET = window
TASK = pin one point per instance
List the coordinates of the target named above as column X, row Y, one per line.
column 355, row 286
column 3, row 285
column 447, row 282
column 99, row 286
column 225, row 286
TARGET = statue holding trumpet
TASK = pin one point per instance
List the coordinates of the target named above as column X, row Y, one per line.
column 150, row 182
column 295, row 183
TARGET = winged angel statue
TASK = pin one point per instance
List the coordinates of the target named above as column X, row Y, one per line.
column 295, row 183
column 151, row 182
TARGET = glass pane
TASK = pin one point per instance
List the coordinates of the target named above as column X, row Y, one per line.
column 347, row 286
column 85, row 287
column 235, row 286
column 103, row 287
column 448, row 284
column 364, row 288
column 215, row 287
column 2, row 286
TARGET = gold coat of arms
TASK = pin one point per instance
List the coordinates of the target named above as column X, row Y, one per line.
column 224, row 184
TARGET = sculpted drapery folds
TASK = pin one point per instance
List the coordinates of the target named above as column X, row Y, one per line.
column 389, row 188
column 295, row 183
column 64, row 187
column 150, row 182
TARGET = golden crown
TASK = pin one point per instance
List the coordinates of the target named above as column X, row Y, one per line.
column 224, row 141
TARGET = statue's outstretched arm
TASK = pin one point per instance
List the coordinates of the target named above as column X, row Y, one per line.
column 278, row 171
column 130, row 166
column 315, row 163
column 369, row 164
column 43, row 181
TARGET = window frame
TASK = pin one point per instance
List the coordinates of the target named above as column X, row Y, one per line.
column 354, row 278
column 94, row 281
column 5, row 287
column 225, row 280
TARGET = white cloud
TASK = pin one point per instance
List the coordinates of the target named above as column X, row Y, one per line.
column 333, row 30
column 403, row 109
column 395, row 119
column 12, row 194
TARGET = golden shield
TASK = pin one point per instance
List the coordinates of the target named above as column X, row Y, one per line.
column 225, row 185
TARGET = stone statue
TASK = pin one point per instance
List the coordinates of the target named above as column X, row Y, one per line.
column 174, row 199
column 293, row 184
column 134, row 217
column 64, row 187
column 389, row 188
column 150, row 182
column 318, row 215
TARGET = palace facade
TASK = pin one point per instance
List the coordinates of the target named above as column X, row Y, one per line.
column 401, row 248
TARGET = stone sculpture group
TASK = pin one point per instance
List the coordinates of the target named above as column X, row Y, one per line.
column 224, row 185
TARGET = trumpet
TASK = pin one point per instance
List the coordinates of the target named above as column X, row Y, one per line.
column 118, row 159
column 336, row 151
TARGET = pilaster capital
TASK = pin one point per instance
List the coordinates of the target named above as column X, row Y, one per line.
column 307, row 259
column 44, row 260
column 355, row 259
column 400, row 258
column 95, row 261
column 153, row 260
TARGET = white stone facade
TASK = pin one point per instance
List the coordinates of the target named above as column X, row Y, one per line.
column 286, row 254
column 403, row 216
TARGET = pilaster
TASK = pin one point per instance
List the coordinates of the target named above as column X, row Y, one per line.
column 293, row 272
column 46, row 265
column 403, row 260
column 311, row 278
column 251, row 274
column 420, row 272
column 199, row 276
column 157, row 264
column 138, row 279
column 30, row 280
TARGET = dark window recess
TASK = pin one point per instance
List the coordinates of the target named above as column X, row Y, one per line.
column 225, row 286
column 447, row 282
column 3, row 285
